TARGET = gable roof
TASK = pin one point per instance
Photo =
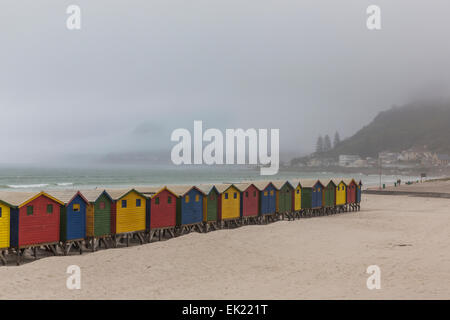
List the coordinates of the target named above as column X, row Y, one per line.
column 309, row 183
column 281, row 183
column 67, row 196
column 244, row 186
column 151, row 192
column 222, row 187
column 92, row 195
column 328, row 181
column 262, row 184
column 181, row 190
column 117, row 194
column 207, row 188
column 20, row 199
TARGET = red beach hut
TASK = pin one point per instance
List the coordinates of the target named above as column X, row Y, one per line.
column 351, row 194
column 249, row 202
column 161, row 211
column 35, row 221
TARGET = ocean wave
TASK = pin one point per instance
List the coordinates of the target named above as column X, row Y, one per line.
column 23, row 186
column 65, row 184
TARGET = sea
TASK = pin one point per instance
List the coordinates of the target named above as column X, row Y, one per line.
column 82, row 178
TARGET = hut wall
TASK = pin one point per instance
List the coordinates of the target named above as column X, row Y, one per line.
column 130, row 213
column 211, row 206
column 351, row 193
column 329, row 195
column 191, row 208
column 317, row 196
column 250, row 202
column 268, row 200
column 341, row 193
column 40, row 226
column 231, row 204
column 358, row 193
column 297, row 198
column 163, row 211
column 73, row 220
column 5, row 228
column 103, row 208
column 306, row 194
column 285, row 199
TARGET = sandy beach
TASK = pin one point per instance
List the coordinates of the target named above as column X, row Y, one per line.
column 314, row 258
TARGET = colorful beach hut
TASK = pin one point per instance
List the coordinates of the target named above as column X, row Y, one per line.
column 329, row 196
column 341, row 196
column 72, row 220
column 189, row 208
column 34, row 221
column 297, row 194
column 358, row 195
column 128, row 219
column 5, row 229
column 267, row 200
column 161, row 213
column 210, row 206
column 249, row 202
column 285, row 198
column 98, row 218
column 229, row 209
column 312, row 196
column 351, row 194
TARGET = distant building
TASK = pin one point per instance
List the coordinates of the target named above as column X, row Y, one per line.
column 388, row 157
column 443, row 160
column 346, row 160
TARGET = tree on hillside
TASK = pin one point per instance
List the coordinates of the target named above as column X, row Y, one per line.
column 337, row 139
column 326, row 143
column 319, row 145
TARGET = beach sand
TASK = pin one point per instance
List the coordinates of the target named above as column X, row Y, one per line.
column 315, row 258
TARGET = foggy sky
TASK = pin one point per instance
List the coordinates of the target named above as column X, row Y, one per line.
column 139, row 69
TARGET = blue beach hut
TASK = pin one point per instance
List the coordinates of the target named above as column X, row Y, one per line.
column 72, row 219
column 268, row 197
column 189, row 207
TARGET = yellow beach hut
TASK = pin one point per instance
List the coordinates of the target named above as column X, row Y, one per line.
column 5, row 229
column 128, row 215
column 230, row 210
column 297, row 197
column 341, row 195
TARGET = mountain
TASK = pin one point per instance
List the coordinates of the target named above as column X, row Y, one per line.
column 400, row 128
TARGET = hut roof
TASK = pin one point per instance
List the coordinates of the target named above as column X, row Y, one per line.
column 19, row 199
column 348, row 181
column 222, row 187
column 66, row 196
column 280, row 184
column 181, row 190
column 262, row 184
column 328, row 181
column 294, row 182
column 309, row 183
column 148, row 191
column 93, row 194
column 243, row 186
column 206, row 188
column 117, row 194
